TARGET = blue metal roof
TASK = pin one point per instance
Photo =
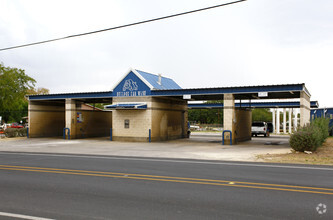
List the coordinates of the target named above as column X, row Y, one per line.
column 81, row 95
column 166, row 83
column 233, row 90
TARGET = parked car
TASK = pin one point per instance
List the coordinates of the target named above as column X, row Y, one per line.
column 259, row 128
column 270, row 127
column 16, row 125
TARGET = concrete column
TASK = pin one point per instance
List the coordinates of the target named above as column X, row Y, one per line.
column 229, row 117
column 284, row 121
column 304, row 109
column 295, row 119
column 29, row 115
column 278, row 121
column 273, row 120
column 290, row 115
column 70, row 117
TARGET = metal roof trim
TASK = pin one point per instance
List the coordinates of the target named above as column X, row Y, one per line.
column 206, row 90
column 233, row 87
column 313, row 104
column 104, row 94
column 127, row 106
column 143, row 79
column 135, row 73
column 306, row 90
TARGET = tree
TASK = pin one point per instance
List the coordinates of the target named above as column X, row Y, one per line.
column 38, row 91
column 261, row 114
column 14, row 84
column 206, row 116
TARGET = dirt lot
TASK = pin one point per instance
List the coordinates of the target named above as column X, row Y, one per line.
column 323, row 156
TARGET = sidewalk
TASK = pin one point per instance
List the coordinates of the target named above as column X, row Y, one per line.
column 205, row 147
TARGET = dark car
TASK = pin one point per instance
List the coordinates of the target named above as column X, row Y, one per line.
column 270, row 127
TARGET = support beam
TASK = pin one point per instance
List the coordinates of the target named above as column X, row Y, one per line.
column 278, row 121
column 229, row 117
column 70, row 120
column 295, row 120
column 304, row 109
column 273, row 120
column 284, row 121
column 290, row 116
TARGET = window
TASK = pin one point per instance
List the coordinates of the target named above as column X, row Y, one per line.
column 126, row 123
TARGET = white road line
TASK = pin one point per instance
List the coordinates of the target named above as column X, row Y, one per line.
column 22, row 216
column 175, row 161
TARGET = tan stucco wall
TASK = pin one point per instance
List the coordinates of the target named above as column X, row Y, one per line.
column 169, row 119
column 164, row 116
column 243, row 125
column 237, row 120
column 139, row 120
column 94, row 124
column 46, row 119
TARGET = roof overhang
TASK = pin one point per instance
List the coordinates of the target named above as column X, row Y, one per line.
column 285, row 91
column 141, row 106
column 313, row 104
column 87, row 97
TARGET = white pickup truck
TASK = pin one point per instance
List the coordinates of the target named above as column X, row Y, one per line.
column 259, row 127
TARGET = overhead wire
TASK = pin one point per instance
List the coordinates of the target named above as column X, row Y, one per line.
column 121, row 26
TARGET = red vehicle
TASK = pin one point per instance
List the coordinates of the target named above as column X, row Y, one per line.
column 16, row 125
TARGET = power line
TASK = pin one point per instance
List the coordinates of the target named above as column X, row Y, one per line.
column 121, row 26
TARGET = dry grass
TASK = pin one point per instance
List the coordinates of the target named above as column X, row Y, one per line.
column 323, row 156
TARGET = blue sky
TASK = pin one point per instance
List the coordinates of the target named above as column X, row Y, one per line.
column 257, row 42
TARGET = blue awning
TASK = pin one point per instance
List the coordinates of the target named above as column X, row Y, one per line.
column 127, row 106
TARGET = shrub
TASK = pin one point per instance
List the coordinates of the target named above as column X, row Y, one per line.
column 22, row 132
column 16, row 132
column 307, row 138
column 310, row 137
column 11, row 132
column 323, row 125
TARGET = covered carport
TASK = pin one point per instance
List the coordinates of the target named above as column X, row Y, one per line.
column 58, row 114
column 275, row 106
column 237, row 118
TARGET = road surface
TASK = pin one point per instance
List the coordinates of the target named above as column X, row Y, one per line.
column 55, row 186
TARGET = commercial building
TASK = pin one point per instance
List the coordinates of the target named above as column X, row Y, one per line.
column 149, row 107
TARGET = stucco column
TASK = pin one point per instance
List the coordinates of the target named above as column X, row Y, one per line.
column 70, row 120
column 29, row 115
column 229, row 117
column 278, row 121
column 290, row 115
column 273, row 120
column 295, row 120
column 284, row 121
column 304, row 109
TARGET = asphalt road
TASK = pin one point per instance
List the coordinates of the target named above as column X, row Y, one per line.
column 96, row 187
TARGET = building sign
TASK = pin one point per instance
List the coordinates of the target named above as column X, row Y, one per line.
column 186, row 96
column 262, row 94
column 130, row 86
